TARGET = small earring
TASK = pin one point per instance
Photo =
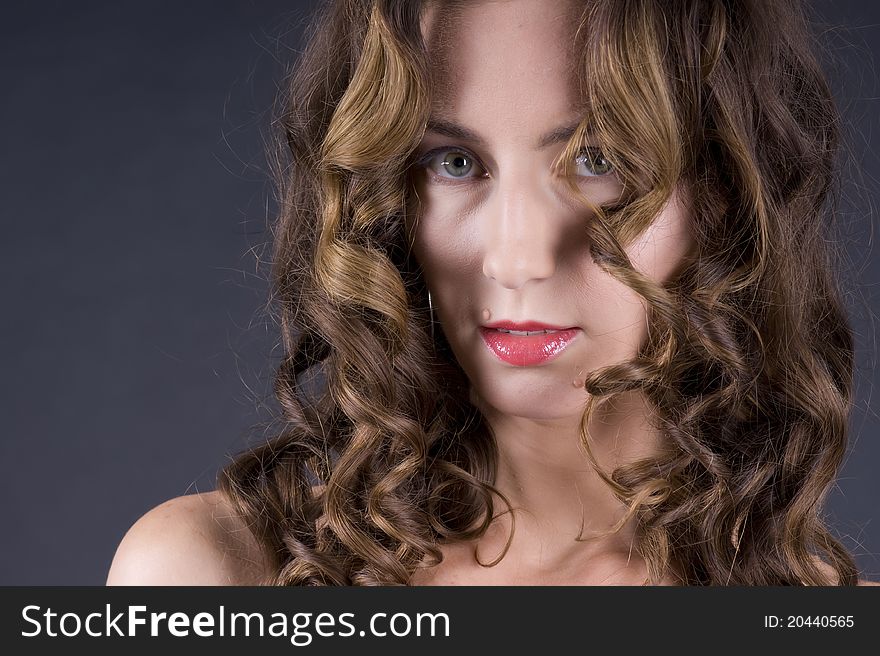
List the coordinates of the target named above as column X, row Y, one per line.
column 431, row 310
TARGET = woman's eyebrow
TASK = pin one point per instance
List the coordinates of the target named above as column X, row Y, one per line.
column 456, row 131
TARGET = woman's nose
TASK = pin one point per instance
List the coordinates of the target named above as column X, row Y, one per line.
column 520, row 242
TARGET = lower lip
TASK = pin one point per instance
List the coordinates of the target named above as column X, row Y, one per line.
column 527, row 350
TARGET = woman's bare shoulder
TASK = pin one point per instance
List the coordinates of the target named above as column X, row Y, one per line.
column 195, row 539
column 832, row 575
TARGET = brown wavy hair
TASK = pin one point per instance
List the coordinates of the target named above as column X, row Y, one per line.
column 748, row 364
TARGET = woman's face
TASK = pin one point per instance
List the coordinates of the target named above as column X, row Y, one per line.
column 498, row 236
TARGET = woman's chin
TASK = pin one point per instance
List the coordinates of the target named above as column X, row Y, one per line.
column 541, row 403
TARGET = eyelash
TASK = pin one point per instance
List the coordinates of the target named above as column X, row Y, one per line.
column 423, row 161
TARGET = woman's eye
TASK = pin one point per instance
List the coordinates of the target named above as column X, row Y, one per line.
column 457, row 163
column 595, row 162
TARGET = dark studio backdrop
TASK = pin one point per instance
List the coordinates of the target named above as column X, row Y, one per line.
column 134, row 200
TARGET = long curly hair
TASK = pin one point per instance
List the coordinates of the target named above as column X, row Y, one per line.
column 748, row 362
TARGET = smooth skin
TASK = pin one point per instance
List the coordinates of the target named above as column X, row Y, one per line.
column 498, row 237
column 194, row 539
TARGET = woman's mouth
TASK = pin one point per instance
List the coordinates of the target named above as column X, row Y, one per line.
column 526, row 348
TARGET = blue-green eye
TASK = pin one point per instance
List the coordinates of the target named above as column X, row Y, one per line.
column 456, row 162
column 597, row 164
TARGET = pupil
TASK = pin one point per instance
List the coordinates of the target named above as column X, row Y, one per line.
column 598, row 163
column 458, row 161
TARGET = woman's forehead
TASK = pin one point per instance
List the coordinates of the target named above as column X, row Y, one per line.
column 508, row 49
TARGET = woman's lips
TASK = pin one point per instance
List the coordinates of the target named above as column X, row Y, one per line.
column 527, row 350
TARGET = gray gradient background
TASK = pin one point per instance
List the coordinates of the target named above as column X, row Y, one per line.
column 134, row 200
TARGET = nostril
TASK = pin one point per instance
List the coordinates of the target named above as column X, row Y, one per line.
column 514, row 272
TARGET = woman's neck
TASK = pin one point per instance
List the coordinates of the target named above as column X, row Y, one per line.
column 557, row 497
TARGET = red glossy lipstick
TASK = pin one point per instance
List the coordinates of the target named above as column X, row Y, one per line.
column 526, row 343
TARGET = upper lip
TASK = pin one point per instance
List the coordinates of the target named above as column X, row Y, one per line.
column 524, row 325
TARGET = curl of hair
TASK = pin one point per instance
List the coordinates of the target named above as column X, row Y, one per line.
column 748, row 365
